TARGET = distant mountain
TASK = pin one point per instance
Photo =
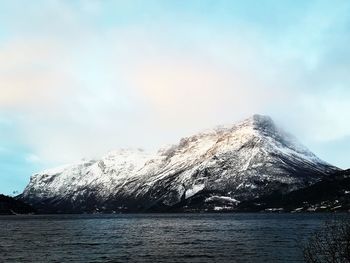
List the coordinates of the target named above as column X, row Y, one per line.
column 218, row 169
column 11, row 206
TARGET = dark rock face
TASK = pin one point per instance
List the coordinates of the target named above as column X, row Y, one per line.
column 11, row 206
column 210, row 171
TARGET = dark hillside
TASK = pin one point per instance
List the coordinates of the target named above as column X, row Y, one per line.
column 11, row 206
column 330, row 194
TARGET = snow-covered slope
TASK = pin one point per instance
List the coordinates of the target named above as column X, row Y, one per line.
column 225, row 165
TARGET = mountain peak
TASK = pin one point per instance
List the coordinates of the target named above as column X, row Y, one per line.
column 260, row 121
column 262, row 124
column 265, row 124
column 258, row 118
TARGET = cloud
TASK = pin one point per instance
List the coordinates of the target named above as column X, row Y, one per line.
column 34, row 73
column 80, row 80
column 183, row 88
column 32, row 158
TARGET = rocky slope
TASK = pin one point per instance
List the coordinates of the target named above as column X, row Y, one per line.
column 225, row 166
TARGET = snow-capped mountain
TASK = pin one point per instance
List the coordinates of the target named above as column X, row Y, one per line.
column 223, row 167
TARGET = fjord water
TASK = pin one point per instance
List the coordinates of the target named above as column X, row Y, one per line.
column 156, row 237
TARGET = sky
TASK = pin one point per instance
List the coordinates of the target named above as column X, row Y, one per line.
column 81, row 78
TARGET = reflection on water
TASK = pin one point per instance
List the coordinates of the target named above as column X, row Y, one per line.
column 156, row 237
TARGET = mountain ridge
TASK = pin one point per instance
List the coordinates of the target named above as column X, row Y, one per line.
column 242, row 162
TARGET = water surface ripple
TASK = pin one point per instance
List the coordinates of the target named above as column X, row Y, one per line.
column 156, row 237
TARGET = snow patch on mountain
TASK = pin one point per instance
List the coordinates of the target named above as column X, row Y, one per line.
column 195, row 189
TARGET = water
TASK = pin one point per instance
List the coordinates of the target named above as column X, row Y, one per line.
column 156, row 237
